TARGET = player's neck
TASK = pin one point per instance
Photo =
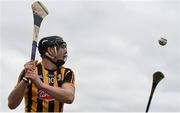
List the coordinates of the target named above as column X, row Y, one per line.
column 48, row 64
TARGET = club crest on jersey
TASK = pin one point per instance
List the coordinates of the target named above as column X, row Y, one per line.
column 44, row 96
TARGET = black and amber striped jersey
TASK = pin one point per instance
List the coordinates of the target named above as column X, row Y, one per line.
column 36, row 100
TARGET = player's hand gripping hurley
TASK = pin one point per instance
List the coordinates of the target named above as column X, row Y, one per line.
column 39, row 13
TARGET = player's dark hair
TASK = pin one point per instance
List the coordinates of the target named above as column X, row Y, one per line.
column 50, row 41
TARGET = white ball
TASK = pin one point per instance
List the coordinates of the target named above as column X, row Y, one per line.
column 162, row 41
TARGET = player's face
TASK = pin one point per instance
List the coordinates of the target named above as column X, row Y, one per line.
column 62, row 52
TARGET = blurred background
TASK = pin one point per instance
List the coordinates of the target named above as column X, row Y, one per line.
column 112, row 46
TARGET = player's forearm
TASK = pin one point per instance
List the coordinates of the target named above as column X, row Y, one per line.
column 63, row 95
column 16, row 96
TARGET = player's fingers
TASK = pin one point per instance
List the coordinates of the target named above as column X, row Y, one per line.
column 31, row 76
column 31, row 70
column 28, row 65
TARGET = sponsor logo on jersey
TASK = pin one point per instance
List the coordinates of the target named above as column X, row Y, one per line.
column 42, row 95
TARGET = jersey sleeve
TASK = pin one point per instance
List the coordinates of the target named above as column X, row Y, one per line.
column 69, row 77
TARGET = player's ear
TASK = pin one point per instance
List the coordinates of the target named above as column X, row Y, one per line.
column 51, row 51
